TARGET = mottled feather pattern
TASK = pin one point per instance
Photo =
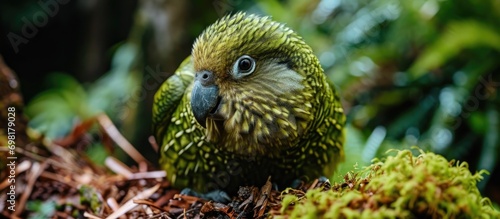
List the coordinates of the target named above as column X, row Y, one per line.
column 284, row 120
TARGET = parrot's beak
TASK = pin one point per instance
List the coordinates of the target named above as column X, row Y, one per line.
column 205, row 98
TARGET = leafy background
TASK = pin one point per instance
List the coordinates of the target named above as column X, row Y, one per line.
column 421, row 72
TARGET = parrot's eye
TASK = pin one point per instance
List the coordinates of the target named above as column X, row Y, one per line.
column 245, row 65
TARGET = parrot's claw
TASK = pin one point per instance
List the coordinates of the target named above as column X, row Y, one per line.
column 215, row 195
column 296, row 183
column 323, row 179
column 324, row 182
column 275, row 186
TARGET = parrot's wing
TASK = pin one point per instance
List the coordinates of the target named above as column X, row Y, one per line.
column 168, row 96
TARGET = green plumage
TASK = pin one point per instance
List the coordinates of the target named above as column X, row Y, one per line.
column 272, row 114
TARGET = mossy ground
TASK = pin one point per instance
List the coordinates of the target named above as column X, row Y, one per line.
column 399, row 186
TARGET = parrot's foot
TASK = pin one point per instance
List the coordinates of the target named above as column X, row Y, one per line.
column 296, row 183
column 275, row 186
column 322, row 181
column 215, row 195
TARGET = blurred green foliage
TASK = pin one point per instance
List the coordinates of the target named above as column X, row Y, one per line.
column 55, row 111
column 421, row 72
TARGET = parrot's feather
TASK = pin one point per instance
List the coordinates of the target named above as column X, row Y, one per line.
column 169, row 95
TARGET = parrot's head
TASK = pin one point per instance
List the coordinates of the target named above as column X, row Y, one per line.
column 255, row 85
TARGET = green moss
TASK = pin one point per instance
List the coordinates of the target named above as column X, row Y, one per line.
column 400, row 186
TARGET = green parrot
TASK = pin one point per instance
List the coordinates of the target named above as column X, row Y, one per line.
column 250, row 102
